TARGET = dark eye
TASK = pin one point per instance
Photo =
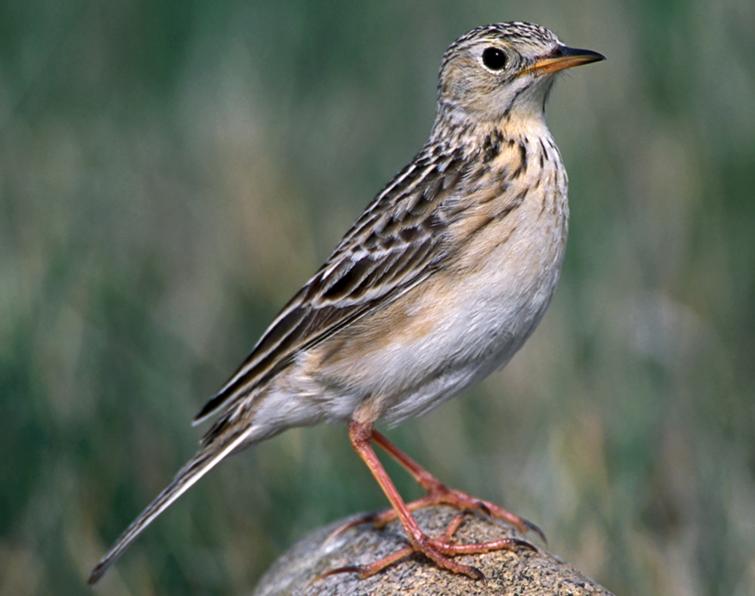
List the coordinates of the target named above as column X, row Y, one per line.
column 494, row 58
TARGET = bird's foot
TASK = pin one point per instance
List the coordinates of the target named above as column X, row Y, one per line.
column 442, row 495
column 439, row 494
column 439, row 550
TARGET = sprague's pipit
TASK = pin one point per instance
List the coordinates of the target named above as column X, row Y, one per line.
column 438, row 283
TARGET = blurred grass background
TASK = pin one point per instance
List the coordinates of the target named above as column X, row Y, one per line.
column 173, row 171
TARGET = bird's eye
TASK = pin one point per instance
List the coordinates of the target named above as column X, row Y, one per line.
column 494, row 58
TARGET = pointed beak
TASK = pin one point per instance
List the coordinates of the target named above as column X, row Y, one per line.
column 563, row 57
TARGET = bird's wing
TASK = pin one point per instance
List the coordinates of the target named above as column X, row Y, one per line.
column 396, row 243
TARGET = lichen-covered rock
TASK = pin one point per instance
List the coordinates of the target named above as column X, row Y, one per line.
column 522, row 572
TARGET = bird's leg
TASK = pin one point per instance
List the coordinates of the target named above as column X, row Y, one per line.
column 437, row 550
column 437, row 494
column 360, row 435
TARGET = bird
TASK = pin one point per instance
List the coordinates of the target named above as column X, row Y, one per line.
column 437, row 284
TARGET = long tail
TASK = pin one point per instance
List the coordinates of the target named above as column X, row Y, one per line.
column 207, row 458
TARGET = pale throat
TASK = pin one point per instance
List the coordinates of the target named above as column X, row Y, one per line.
column 525, row 122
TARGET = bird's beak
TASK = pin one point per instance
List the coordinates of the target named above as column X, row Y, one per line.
column 563, row 57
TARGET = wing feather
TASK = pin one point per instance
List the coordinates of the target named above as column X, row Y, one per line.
column 397, row 242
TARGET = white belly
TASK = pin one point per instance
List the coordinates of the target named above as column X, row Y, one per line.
column 496, row 311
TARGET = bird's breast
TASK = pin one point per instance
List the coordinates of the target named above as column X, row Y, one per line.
column 513, row 235
column 469, row 317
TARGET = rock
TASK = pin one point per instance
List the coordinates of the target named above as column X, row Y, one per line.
column 522, row 572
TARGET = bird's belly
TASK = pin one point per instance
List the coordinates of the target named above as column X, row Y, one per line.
column 453, row 330
column 495, row 312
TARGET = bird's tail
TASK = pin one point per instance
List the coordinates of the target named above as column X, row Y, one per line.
column 204, row 460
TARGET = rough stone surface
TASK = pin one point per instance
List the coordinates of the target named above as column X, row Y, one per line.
column 521, row 572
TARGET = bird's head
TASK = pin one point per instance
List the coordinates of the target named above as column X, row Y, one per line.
column 503, row 71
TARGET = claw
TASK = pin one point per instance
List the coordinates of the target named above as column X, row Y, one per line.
column 337, row 570
column 482, row 506
column 536, row 529
column 524, row 544
column 476, row 574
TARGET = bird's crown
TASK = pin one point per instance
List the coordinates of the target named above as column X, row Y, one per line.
column 495, row 70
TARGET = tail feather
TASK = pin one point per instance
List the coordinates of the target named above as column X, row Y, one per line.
column 207, row 458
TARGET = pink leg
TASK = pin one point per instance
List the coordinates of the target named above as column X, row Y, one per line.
column 438, row 550
column 437, row 494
